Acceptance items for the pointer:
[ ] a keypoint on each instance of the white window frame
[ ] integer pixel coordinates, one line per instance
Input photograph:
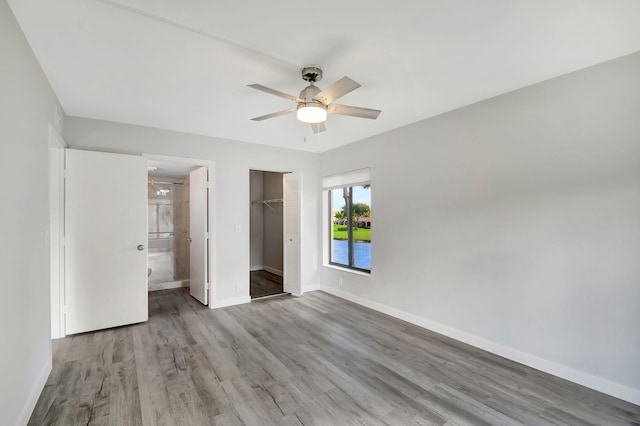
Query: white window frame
(349, 179)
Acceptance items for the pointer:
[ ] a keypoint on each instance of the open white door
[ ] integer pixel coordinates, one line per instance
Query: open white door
(292, 203)
(198, 233)
(105, 239)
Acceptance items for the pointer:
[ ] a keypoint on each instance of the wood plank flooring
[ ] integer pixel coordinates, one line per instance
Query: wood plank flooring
(265, 283)
(313, 360)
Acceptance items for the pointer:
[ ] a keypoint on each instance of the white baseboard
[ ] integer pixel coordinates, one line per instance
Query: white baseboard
(272, 270)
(230, 302)
(565, 372)
(25, 415)
(311, 287)
(256, 268)
(168, 285)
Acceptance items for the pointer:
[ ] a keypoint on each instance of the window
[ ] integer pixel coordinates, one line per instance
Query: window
(349, 222)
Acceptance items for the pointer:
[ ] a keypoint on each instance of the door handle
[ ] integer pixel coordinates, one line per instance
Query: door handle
(140, 247)
(189, 239)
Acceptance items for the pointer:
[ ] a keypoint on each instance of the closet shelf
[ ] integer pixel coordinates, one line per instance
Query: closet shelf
(268, 202)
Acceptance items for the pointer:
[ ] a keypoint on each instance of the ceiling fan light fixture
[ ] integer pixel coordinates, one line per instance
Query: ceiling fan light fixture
(312, 113)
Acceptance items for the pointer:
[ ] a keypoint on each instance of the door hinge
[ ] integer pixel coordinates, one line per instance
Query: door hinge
(206, 235)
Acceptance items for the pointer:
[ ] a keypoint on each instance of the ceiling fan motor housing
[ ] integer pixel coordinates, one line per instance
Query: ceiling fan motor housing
(312, 73)
(309, 92)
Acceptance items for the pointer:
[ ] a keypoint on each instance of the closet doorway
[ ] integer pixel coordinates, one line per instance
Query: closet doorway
(266, 233)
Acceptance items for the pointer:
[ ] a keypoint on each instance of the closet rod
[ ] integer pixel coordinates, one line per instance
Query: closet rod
(275, 200)
(157, 182)
(268, 202)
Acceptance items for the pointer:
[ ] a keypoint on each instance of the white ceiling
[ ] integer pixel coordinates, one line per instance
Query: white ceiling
(184, 64)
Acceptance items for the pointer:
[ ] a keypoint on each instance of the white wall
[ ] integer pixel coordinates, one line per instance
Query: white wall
(27, 106)
(514, 224)
(233, 160)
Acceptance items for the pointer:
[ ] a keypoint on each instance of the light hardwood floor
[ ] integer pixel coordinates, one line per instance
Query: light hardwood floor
(290, 361)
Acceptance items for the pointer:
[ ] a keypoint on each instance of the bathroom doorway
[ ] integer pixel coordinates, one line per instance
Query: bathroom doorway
(178, 226)
(168, 228)
(266, 233)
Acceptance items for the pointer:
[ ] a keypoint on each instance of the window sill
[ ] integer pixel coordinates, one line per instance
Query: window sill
(351, 271)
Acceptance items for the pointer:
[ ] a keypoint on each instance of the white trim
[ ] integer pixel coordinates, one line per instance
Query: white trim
(256, 268)
(348, 270)
(272, 270)
(28, 407)
(352, 178)
(311, 287)
(56, 232)
(292, 232)
(563, 371)
(231, 302)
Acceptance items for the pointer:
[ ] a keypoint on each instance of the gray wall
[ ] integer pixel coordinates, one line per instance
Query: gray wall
(272, 243)
(27, 106)
(514, 224)
(266, 223)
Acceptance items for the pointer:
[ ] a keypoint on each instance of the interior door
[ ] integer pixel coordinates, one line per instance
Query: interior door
(291, 234)
(198, 233)
(105, 239)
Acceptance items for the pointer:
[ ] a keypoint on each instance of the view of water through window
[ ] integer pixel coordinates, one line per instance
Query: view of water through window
(362, 253)
(359, 198)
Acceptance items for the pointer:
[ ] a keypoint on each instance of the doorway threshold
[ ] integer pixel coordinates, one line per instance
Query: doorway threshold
(269, 296)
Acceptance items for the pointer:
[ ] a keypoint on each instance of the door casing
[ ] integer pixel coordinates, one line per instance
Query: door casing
(210, 165)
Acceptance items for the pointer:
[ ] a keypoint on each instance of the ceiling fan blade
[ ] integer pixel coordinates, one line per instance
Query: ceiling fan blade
(275, 92)
(318, 127)
(336, 90)
(353, 111)
(273, 114)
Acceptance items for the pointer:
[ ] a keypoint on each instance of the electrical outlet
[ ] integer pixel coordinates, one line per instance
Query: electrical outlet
(340, 281)
(238, 288)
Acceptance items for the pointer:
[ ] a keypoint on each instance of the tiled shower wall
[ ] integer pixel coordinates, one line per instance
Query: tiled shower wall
(168, 219)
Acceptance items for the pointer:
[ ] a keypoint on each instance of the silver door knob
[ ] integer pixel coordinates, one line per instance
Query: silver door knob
(140, 247)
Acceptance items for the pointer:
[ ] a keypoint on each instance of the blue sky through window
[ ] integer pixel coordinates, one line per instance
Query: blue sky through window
(360, 195)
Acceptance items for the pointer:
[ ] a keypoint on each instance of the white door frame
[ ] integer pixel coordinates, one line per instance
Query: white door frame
(211, 217)
(284, 219)
(56, 233)
(294, 286)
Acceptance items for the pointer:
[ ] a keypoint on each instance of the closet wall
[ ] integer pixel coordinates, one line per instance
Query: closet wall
(266, 221)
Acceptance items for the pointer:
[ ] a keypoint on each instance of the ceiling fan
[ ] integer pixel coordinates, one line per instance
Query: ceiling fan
(314, 104)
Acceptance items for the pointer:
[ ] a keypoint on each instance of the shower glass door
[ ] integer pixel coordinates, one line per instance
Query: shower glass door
(168, 225)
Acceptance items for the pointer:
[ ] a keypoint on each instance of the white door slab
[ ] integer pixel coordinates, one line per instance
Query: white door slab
(291, 226)
(198, 228)
(105, 240)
